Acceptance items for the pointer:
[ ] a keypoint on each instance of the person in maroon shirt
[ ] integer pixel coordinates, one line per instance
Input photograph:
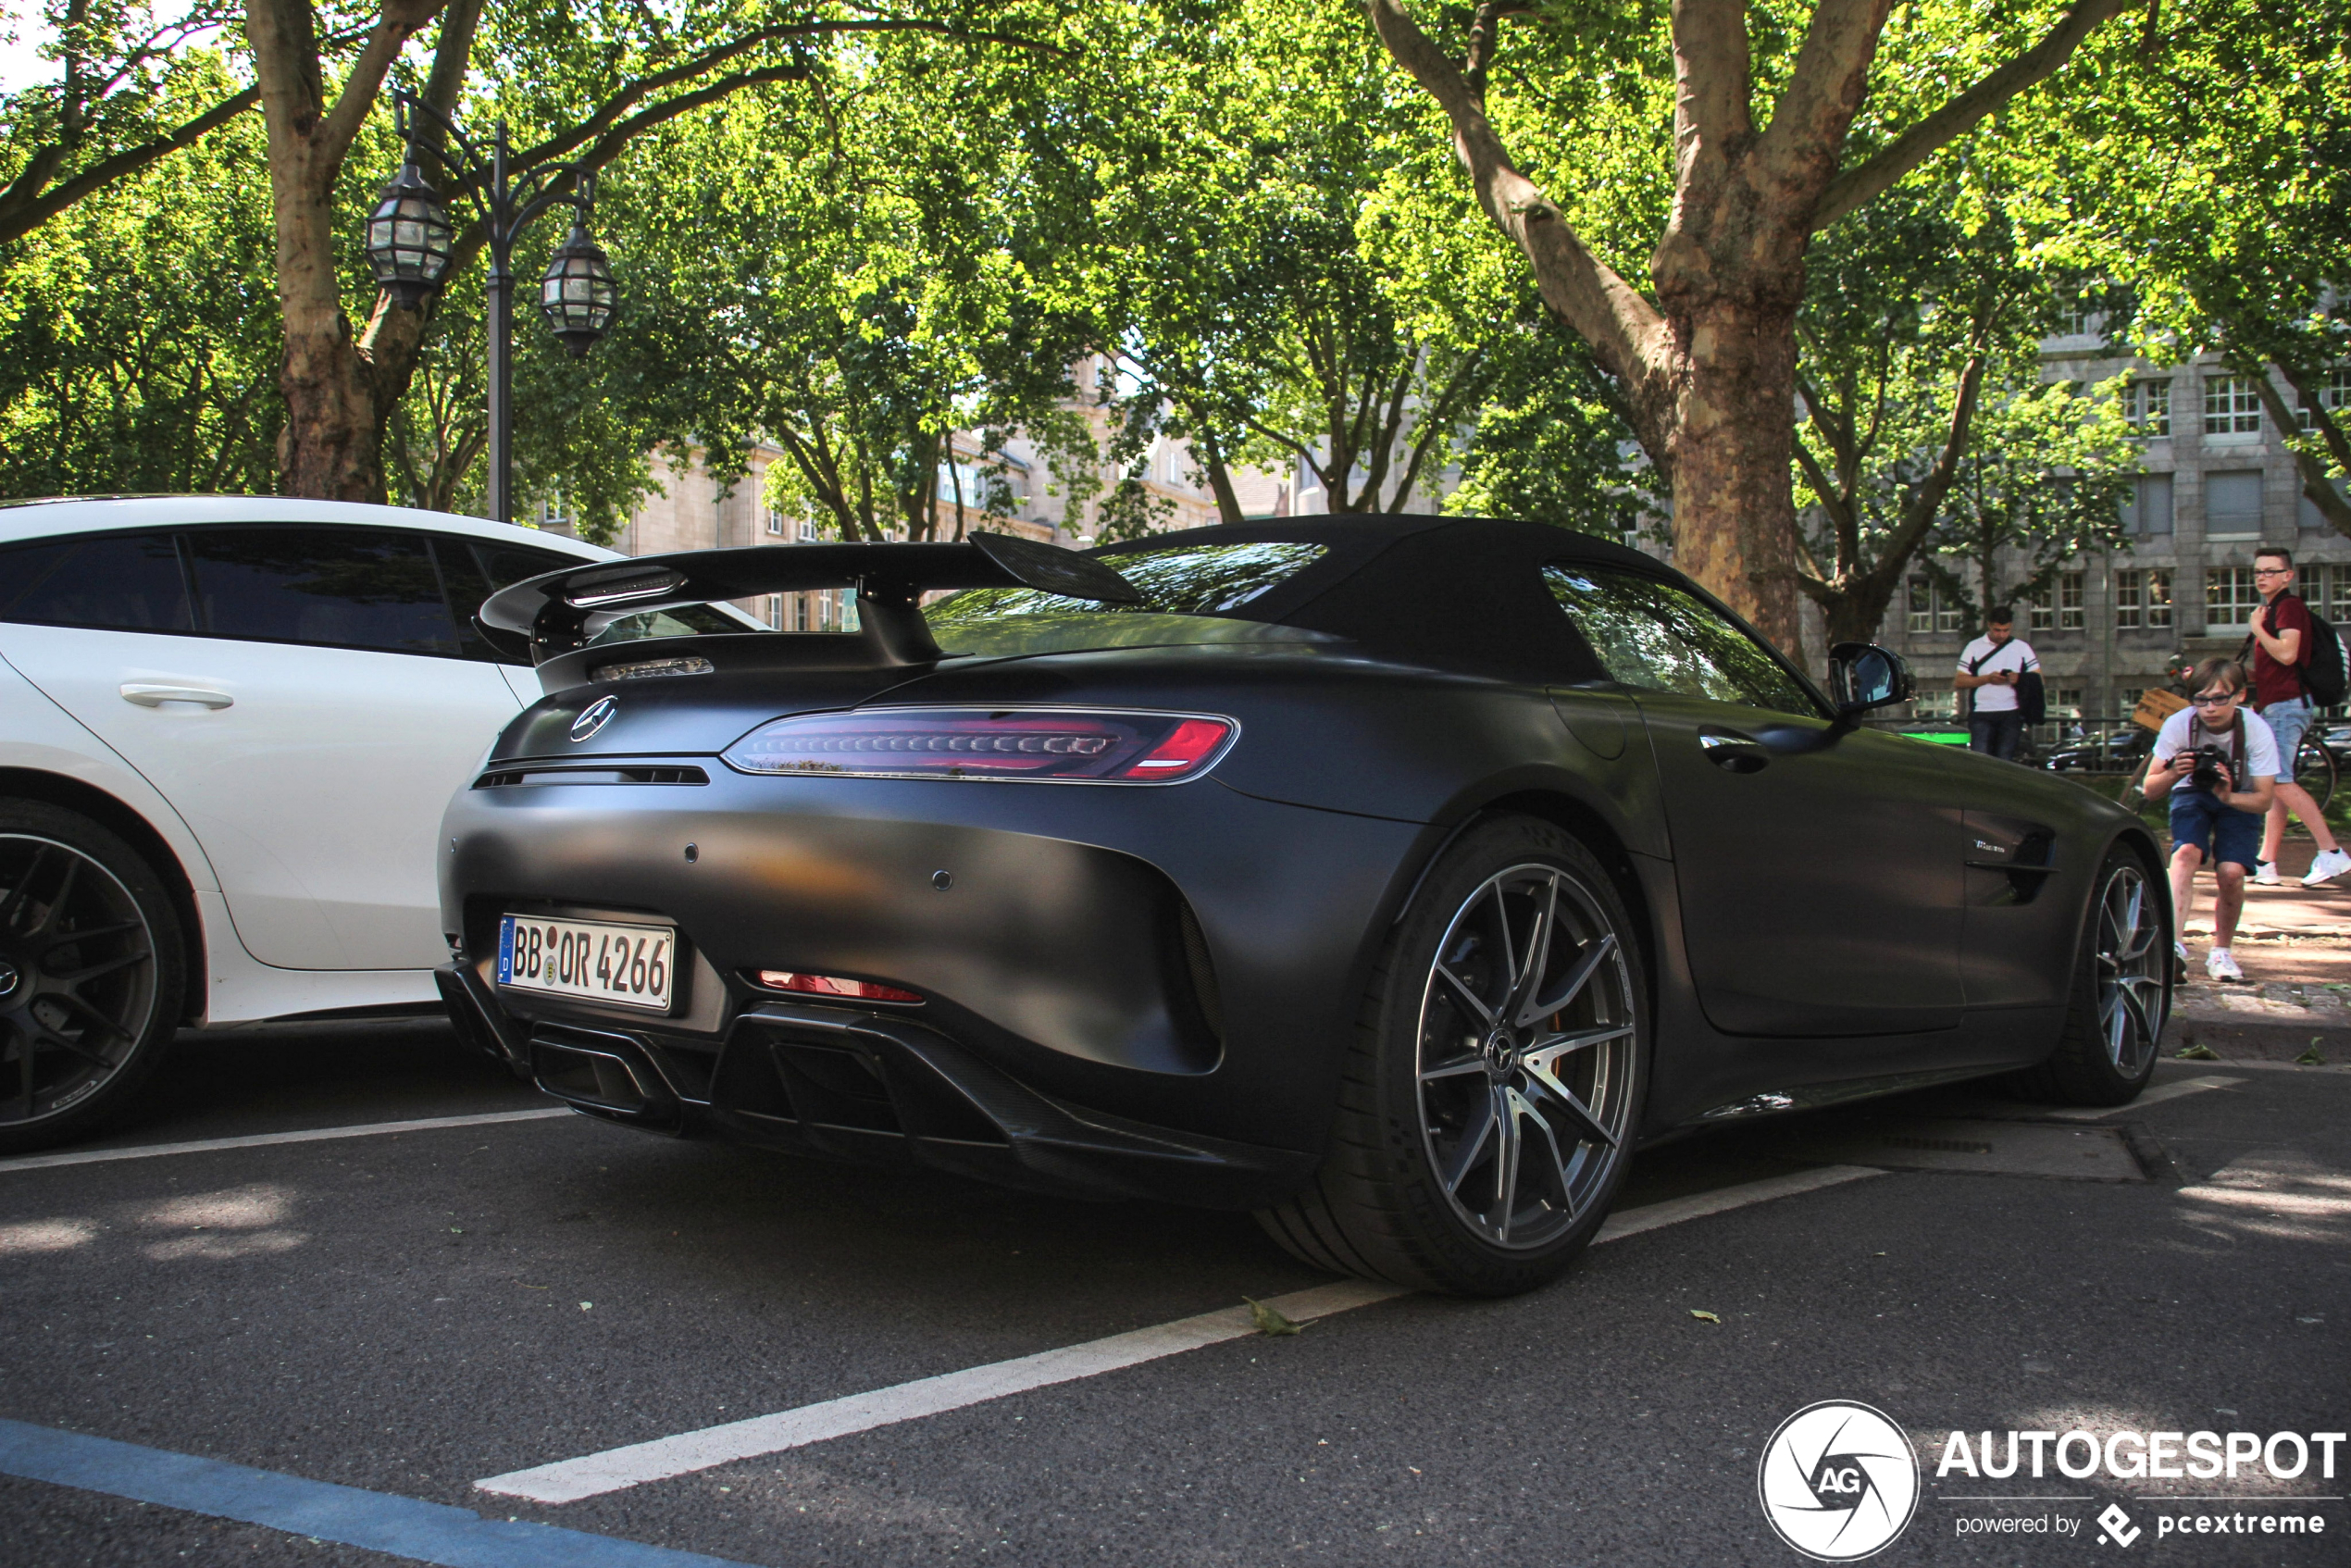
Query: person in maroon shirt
(2282, 632)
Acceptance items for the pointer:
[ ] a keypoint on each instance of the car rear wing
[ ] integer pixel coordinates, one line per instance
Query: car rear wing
(559, 612)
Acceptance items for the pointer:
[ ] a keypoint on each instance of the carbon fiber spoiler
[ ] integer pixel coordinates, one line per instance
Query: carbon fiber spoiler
(559, 611)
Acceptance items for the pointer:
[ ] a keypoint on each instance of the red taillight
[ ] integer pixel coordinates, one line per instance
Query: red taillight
(831, 985)
(1064, 745)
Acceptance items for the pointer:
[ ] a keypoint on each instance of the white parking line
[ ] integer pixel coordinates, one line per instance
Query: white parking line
(618, 1469)
(263, 1140)
(1632, 1221)
(2152, 1097)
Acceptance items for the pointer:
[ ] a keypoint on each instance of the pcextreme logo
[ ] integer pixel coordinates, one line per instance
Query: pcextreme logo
(1838, 1481)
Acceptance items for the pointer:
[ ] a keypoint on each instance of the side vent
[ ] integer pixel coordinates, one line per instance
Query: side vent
(1199, 972)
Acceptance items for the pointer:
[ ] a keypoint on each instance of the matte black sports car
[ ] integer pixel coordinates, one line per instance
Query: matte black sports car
(1393, 877)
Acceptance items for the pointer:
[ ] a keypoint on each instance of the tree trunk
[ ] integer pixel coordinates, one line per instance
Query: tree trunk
(1733, 442)
(1211, 453)
(332, 444)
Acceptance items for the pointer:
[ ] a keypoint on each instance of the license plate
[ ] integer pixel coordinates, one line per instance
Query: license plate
(594, 959)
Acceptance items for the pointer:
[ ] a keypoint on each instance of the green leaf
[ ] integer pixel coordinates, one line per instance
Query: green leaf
(1268, 1320)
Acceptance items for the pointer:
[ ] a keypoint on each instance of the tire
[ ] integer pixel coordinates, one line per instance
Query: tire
(2120, 997)
(1487, 1105)
(93, 974)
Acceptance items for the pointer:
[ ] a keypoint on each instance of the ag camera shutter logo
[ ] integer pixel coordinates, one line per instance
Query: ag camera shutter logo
(1838, 1481)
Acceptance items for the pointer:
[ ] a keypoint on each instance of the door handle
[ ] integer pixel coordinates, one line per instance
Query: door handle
(1735, 752)
(153, 695)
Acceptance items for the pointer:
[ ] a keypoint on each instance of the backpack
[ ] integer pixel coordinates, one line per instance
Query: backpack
(2032, 701)
(2321, 669)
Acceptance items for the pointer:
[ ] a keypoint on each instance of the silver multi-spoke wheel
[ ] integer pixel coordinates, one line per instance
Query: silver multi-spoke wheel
(78, 979)
(2112, 1028)
(2131, 961)
(1527, 1040)
(1490, 1102)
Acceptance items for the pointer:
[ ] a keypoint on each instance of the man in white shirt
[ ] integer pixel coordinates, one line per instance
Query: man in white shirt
(2220, 817)
(1990, 666)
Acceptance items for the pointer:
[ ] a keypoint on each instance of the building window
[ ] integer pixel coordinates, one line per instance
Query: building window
(2070, 602)
(2126, 700)
(2233, 504)
(807, 530)
(2069, 702)
(2229, 595)
(2232, 406)
(776, 520)
(2040, 609)
(2148, 406)
(1922, 606)
(2143, 600)
(2334, 394)
(2332, 594)
(2147, 506)
(775, 610)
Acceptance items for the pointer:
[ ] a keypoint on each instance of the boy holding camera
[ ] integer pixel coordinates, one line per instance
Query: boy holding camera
(2202, 753)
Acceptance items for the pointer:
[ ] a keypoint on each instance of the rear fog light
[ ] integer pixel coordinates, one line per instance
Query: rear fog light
(831, 985)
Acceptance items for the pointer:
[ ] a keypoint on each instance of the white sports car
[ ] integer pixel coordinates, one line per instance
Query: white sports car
(228, 727)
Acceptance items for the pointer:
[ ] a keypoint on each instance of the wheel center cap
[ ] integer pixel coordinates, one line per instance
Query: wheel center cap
(8, 977)
(1502, 1054)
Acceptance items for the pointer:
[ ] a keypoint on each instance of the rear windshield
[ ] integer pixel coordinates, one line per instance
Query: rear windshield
(1188, 596)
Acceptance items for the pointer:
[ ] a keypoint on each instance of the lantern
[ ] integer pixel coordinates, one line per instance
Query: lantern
(409, 236)
(578, 294)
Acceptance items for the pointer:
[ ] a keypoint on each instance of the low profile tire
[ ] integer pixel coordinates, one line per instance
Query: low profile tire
(91, 974)
(1487, 1104)
(2122, 995)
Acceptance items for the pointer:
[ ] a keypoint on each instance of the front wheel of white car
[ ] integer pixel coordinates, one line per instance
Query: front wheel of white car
(91, 974)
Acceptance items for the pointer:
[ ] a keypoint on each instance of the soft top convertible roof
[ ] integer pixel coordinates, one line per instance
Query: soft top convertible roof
(560, 611)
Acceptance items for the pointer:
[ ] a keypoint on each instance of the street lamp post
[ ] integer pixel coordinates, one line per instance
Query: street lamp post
(410, 243)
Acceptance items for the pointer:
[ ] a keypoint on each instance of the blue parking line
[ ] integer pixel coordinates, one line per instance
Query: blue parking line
(427, 1532)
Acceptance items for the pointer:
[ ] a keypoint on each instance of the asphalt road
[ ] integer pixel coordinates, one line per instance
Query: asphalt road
(412, 1312)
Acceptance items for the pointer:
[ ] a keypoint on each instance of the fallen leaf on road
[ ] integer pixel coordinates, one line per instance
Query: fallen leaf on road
(2311, 1058)
(1704, 1317)
(2199, 1051)
(1268, 1321)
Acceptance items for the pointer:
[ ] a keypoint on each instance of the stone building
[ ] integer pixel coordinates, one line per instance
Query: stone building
(2216, 483)
(691, 510)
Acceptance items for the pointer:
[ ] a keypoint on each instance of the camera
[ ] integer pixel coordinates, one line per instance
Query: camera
(2209, 761)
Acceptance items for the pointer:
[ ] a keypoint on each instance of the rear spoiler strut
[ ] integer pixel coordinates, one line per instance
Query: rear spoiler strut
(561, 610)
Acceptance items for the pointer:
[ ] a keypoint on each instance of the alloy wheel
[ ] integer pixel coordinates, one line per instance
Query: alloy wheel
(2131, 962)
(1525, 1061)
(77, 977)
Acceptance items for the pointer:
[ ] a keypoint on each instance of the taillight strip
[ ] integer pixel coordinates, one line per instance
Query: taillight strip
(1009, 745)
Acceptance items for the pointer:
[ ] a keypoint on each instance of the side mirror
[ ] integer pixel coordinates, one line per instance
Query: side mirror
(1863, 676)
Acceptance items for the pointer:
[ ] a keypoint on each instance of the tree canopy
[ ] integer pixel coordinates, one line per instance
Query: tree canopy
(1768, 277)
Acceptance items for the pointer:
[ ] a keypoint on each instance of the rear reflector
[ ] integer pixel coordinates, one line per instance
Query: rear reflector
(1073, 745)
(831, 985)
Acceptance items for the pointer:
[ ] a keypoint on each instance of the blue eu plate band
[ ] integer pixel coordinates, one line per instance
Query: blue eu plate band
(426, 1532)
